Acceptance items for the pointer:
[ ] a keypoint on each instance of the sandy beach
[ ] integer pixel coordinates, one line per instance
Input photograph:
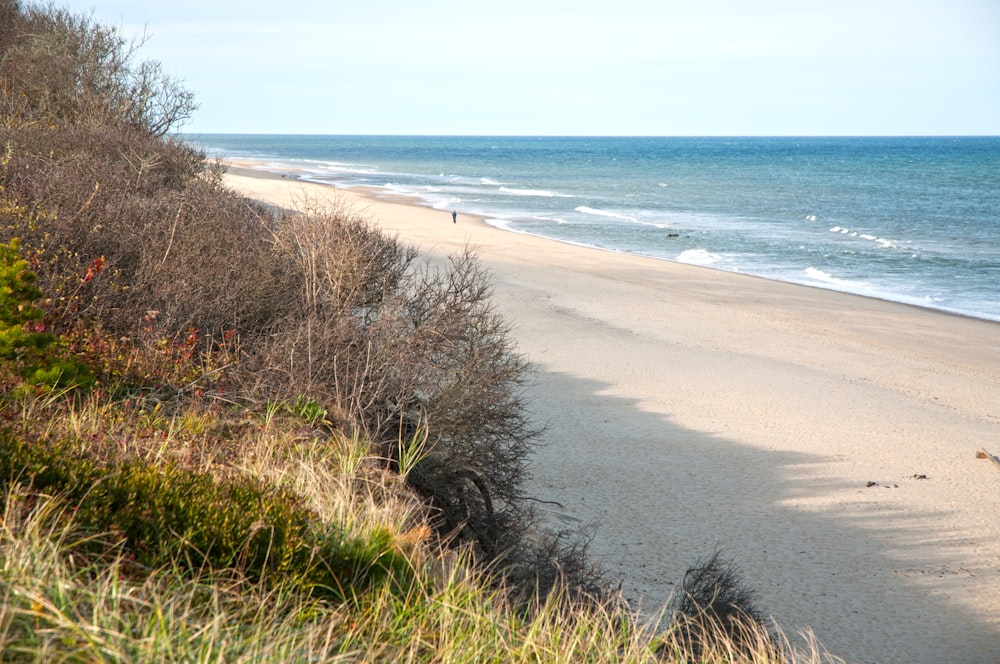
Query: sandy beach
(827, 442)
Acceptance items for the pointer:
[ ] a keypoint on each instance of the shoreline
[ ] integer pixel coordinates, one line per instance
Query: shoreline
(690, 408)
(258, 169)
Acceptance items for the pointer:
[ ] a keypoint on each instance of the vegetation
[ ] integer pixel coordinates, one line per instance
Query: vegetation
(239, 435)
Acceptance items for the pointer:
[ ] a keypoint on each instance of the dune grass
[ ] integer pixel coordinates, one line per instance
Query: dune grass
(72, 591)
(230, 435)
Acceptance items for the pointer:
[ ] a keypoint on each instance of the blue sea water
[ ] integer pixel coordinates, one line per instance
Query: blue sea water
(913, 220)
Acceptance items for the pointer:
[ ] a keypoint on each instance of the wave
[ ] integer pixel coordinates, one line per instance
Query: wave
(517, 226)
(401, 190)
(444, 203)
(533, 192)
(604, 213)
(699, 257)
(827, 278)
(333, 168)
(881, 241)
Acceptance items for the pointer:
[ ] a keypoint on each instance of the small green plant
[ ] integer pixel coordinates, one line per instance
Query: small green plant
(271, 411)
(309, 411)
(18, 294)
(413, 452)
(23, 336)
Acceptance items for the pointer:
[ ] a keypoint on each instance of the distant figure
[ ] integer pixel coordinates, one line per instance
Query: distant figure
(454, 217)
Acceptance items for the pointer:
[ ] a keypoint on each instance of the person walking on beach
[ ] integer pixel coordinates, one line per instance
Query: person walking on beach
(454, 217)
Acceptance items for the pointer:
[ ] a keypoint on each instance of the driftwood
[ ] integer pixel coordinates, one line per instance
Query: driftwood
(983, 454)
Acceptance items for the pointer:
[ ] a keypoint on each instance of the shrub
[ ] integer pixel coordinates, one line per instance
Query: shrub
(402, 348)
(58, 67)
(22, 339)
(713, 599)
(200, 286)
(164, 514)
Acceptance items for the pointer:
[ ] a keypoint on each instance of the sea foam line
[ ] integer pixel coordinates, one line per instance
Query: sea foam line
(827, 278)
(884, 243)
(604, 213)
(533, 192)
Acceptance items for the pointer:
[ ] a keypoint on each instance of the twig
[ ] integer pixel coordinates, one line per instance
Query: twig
(173, 230)
(205, 375)
(539, 500)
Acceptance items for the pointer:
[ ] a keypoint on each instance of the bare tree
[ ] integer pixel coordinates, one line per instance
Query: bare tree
(55, 65)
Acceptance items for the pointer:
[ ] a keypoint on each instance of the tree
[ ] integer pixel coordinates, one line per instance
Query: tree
(59, 67)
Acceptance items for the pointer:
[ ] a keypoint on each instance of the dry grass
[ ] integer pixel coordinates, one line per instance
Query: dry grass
(287, 439)
(63, 602)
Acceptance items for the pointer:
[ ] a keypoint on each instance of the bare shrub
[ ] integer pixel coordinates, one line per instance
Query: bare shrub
(714, 599)
(347, 266)
(59, 67)
(397, 347)
(207, 260)
(547, 560)
(169, 242)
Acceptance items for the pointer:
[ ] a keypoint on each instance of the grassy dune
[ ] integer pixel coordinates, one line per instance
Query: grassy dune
(78, 583)
(230, 434)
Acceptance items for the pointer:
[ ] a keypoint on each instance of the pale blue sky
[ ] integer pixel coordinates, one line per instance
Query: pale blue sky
(622, 67)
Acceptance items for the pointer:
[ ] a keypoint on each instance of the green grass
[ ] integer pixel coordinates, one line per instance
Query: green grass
(141, 557)
(61, 604)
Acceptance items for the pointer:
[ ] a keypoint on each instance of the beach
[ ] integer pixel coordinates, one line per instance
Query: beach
(824, 441)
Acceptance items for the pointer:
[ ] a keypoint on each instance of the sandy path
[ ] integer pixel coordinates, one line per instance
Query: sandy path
(690, 409)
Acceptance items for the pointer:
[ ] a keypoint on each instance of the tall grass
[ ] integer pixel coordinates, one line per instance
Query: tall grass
(228, 435)
(58, 603)
(69, 593)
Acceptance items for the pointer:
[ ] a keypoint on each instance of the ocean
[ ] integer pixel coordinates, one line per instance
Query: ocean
(907, 219)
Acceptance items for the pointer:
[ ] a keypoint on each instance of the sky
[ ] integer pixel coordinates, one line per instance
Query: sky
(576, 67)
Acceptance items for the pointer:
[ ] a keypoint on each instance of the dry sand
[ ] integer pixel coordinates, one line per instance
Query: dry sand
(690, 409)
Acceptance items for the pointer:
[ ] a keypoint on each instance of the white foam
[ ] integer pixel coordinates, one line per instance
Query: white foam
(400, 190)
(445, 203)
(503, 224)
(604, 213)
(699, 257)
(533, 192)
(881, 241)
(827, 278)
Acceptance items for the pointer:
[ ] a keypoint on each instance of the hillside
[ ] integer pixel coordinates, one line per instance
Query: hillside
(231, 433)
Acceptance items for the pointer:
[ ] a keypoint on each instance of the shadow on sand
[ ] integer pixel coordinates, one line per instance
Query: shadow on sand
(864, 576)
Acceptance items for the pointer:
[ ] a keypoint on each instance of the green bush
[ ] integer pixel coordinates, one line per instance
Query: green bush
(23, 338)
(17, 296)
(163, 514)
